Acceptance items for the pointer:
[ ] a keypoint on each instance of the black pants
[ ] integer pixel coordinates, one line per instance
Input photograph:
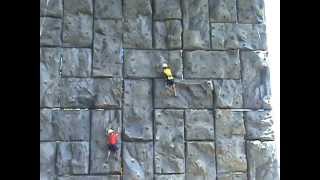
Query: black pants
(113, 147)
(170, 82)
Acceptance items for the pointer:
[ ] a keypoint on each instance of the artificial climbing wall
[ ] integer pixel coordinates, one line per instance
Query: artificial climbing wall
(100, 65)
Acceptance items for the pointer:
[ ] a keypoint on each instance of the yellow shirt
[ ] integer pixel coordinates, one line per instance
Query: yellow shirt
(167, 72)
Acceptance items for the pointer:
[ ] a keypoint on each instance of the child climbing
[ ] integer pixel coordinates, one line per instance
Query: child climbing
(112, 138)
(166, 70)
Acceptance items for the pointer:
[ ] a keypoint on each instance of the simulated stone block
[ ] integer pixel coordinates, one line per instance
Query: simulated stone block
(88, 177)
(108, 9)
(107, 61)
(233, 36)
(50, 31)
(167, 34)
(76, 7)
(233, 176)
(49, 74)
(170, 177)
(76, 62)
(102, 120)
(212, 64)
(200, 162)
(135, 8)
(190, 94)
(138, 32)
(255, 80)
(51, 8)
(137, 111)
(229, 123)
(262, 162)
(166, 9)
(196, 24)
(148, 63)
(251, 11)
(223, 10)
(137, 24)
(199, 125)
(77, 30)
(77, 92)
(169, 145)
(228, 93)
(108, 93)
(85, 92)
(64, 125)
(78, 23)
(46, 128)
(259, 125)
(72, 158)
(137, 161)
(47, 160)
(231, 155)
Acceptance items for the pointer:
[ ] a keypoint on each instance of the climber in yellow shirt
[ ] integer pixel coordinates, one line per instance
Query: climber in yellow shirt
(166, 70)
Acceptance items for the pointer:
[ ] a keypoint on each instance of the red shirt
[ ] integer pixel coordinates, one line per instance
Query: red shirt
(113, 138)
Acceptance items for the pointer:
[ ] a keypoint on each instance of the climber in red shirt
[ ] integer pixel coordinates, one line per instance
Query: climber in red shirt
(112, 141)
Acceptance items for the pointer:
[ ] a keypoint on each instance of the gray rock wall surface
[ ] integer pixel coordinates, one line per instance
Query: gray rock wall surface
(100, 68)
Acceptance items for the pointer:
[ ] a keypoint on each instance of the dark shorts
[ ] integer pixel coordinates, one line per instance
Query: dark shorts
(170, 82)
(113, 147)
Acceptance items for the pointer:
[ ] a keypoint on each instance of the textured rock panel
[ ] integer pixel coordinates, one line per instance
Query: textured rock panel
(167, 34)
(212, 64)
(76, 62)
(170, 177)
(108, 93)
(251, 11)
(228, 93)
(108, 9)
(49, 74)
(88, 177)
(50, 31)
(234, 36)
(199, 125)
(200, 162)
(167, 9)
(147, 63)
(100, 121)
(77, 7)
(47, 160)
(77, 31)
(229, 123)
(72, 158)
(259, 125)
(262, 161)
(137, 161)
(169, 145)
(138, 109)
(64, 125)
(51, 8)
(233, 176)
(223, 10)
(107, 60)
(231, 155)
(196, 24)
(85, 92)
(190, 94)
(77, 92)
(46, 128)
(137, 24)
(256, 80)
(78, 23)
